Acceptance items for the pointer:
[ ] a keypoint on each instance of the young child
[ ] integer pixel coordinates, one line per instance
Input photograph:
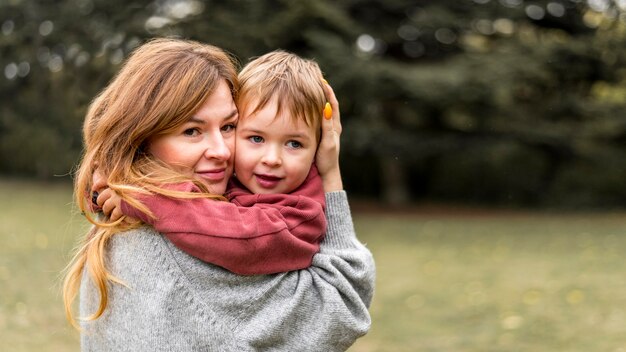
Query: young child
(281, 101)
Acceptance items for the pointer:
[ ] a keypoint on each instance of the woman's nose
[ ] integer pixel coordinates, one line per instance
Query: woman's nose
(217, 147)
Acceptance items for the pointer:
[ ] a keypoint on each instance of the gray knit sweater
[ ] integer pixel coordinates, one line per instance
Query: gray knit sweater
(174, 302)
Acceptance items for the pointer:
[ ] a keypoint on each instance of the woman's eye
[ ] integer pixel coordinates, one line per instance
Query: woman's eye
(294, 144)
(229, 128)
(256, 139)
(191, 132)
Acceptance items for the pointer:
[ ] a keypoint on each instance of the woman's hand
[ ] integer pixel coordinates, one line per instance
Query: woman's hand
(327, 158)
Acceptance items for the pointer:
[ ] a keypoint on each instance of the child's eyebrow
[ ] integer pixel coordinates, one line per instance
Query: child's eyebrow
(298, 135)
(257, 131)
(251, 130)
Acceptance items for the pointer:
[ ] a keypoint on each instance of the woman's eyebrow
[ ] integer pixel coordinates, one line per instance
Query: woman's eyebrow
(195, 119)
(232, 114)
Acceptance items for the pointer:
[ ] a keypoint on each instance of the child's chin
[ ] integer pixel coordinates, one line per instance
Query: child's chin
(267, 191)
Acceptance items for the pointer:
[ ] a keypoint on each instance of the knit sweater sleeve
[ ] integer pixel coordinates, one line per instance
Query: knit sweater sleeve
(321, 308)
(254, 234)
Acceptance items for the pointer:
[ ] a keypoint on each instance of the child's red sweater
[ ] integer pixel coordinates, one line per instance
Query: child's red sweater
(252, 234)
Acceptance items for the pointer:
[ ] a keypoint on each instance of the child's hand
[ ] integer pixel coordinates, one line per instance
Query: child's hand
(327, 158)
(98, 181)
(111, 204)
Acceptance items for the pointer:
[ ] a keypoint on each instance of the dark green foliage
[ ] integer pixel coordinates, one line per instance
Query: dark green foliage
(505, 101)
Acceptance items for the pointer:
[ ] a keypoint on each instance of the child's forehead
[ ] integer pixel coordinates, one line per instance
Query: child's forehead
(269, 120)
(279, 109)
(277, 112)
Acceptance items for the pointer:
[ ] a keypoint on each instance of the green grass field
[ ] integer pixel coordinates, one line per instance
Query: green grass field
(446, 281)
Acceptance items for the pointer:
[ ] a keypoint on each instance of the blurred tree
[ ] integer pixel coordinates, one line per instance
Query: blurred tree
(56, 56)
(507, 101)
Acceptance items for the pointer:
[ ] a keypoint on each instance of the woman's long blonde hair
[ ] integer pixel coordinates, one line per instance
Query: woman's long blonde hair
(158, 89)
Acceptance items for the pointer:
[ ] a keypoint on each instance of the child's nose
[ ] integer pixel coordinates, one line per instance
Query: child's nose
(272, 157)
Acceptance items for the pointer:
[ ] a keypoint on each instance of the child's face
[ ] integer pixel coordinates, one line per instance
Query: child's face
(273, 153)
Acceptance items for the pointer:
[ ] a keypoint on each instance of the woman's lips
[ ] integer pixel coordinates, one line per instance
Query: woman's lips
(212, 175)
(267, 181)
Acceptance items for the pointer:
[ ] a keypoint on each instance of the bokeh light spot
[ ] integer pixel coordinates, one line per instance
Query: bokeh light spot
(445, 36)
(46, 28)
(511, 3)
(366, 43)
(532, 297)
(504, 26)
(484, 26)
(575, 297)
(23, 69)
(535, 12)
(10, 70)
(556, 9)
(598, 5)
(512, 322)
(8, 27)
(82, 58)
(408, 32)
(156, 22)
(55, 64)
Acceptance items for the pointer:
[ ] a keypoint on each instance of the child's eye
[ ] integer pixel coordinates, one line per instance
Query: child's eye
(256, 139)
(191, 132)
(229, 127)
(294, 144)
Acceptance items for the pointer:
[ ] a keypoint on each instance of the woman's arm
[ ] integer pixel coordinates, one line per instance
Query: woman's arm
(325, 305)
(321, 308)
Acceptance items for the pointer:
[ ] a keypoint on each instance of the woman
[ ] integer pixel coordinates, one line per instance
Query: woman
(143, 294)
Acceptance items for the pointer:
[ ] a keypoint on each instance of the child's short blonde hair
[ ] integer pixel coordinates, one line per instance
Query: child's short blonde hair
(295, 82)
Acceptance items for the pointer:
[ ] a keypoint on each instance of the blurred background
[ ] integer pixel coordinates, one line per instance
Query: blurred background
(506, 102)
(484, 150)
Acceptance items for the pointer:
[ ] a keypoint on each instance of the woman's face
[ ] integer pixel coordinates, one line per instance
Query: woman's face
(204, 146)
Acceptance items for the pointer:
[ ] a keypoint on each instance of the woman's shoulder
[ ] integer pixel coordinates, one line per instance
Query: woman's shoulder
(144, 254)
(128, 246)
(154, 297)
(143, 259)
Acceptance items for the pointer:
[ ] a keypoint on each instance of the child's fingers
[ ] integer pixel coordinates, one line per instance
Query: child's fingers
(108, 207)
(334, 105)
(116, 214)
(98, 181)
(103, 196)
(106, 201)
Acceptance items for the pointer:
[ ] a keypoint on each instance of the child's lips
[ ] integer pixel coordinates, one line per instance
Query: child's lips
(267, 181)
